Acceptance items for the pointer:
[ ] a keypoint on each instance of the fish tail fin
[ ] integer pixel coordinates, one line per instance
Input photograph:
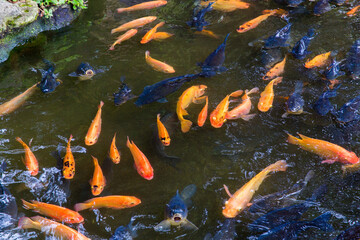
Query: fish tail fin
(128, 144)
(25, 223)
(81, 206)
(160, 24)
(278, 166)
(147, 54)
(20, 141)
(120, 10)
(114, 30)
(293, 140)
(236, 93)
(322, 222)
(27, 205)
(101, 104)
(277, 80)
(69, 141)
(96, 163)
(226, 38)
(112, 48)
(185, 125)
(298, 86)
(308, 176)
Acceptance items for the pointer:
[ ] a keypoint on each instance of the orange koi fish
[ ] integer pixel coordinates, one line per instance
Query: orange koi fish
(243, 109)
(142, 6)
(278, 12)
(142, 164)
(134, 24)
(331, 152)
(218, 116)
(162, 132)
(353, 11)
(242, 197)
(114, 153)
(192, 94)
(207, 33)
(98, 181)
(203, 114)
(267, 96)
(227, 5)
(50, 227)
(129, 34)
(69, 162)
(158, 65)
(95, 128)
(17, 101)
(58, 213)
(115, 202)
(253, 23)
(150, 34)
(276, 71)
(30, 160)
(319, 61)
(158, 36)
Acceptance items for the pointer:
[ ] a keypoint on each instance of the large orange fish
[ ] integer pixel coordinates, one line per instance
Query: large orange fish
(162, 132)
(30, 160)
(192, 94)
(115, 202)
(129, 34)
(319, 61)
(114, 153)
(253, 23)
(142, 6)
(69, 162)
(275, 71)
(58, 213)
(243, 109)
(267, 96)
(142, 164)
(158, 36)
(353, 11)
(17, 101)
(218, 116)
(226, 5)
(98, 181)
(51, 228)
(203, 113)
(150, 34)
(158, 65)
(95, 128)
(331, 152)
(242, 197)
(134, 24)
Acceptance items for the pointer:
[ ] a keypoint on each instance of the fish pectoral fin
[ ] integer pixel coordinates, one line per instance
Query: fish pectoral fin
(183, 112)
(163, 226)
(284, 115)
(188, 225)
(199, 100)
(227, 191)
(247, 117)
(249, 204)
(162, 100)
(30, 142)
(329, 161)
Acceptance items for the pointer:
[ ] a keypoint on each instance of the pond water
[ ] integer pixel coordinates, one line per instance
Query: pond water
(210, 157)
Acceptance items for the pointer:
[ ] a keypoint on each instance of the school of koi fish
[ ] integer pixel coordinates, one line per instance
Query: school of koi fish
(279, 215)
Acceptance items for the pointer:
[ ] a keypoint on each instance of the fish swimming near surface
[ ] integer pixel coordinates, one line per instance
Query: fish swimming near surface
(203, 113)
(150, 34)
(124, 94)
(98, 181)
(333, 71)
(158, 91)
(159, 36)
(267, 96)
(319, 61)
(269, 57)
(162, 132)
(243, 109)
(290, 230)
(227, 5)
(213, 62)
(198, 20)
(134, 24)
(353, 60)
(49, 79)
(55, 212)
(68, 169)
(113, 201)
(350, 111)
(295, 103)
(299, 50)
(95, 128)
(321, 7)
(279, 38)
(30, 160)
(124, 232)
(330, 151)
(323, 106)
(142, 164)
(193, 94)
(114, 153)
(207, 33)
(158, 65)
(353, 11)
(16, 102)
(240, 200)
(176, 211)
(129, 34)
(84, 71)
(50, 227)
(276, 71)
(142, 6)
(226, 232)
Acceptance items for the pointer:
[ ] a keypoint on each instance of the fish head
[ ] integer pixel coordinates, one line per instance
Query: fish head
(217, 118)
(350, 157)
(91, 141)
(176, 211)
(75, 219)
(230, 212)
(96, 189)
(200, 90)
(165, 141)
(148, 175)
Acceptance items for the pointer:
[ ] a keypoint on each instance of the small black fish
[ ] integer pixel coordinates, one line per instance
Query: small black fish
(198, 20)
(84, 71)
(158, 91)
(279, 38)
(124, 232)
(349, 111)
(300, 49)
(49, 80)
(353, 60)
(351, 233)
(290, 230)
(124, 94)
(227, 231)
(295, 103)
(323, 105)
(176, 211)
(321, 7)
(213, 62)
(333, 71)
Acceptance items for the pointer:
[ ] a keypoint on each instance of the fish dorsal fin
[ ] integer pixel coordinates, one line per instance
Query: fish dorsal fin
(227, 191)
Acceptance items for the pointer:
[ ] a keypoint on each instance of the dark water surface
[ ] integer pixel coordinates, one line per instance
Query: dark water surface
(211, 157)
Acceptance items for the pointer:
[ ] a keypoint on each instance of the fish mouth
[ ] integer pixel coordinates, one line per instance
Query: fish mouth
(177, 218)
